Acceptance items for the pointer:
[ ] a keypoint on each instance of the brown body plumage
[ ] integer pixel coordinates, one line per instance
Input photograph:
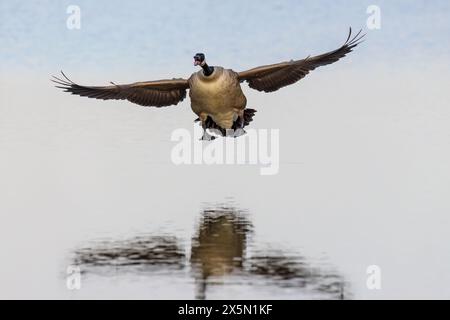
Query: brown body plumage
(219, 96)
(215, 92)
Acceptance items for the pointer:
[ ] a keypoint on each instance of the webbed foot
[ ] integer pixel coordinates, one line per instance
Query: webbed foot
(239, 132)
(207, 137)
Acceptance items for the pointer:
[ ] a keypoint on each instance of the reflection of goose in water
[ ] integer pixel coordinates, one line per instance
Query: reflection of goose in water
(219, 245)
(142, 252)
(219, 250)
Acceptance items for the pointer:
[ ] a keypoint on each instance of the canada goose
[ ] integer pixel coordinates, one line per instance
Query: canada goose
(216, 95)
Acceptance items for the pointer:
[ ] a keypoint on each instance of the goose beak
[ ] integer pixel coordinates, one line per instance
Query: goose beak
(196, 62)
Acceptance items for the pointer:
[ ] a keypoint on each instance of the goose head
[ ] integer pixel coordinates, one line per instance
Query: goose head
(199, 60)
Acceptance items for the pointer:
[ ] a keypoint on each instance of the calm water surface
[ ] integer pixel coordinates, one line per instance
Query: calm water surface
(220, 255)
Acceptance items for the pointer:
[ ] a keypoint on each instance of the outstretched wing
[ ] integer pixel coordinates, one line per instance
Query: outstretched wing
(152, 93)
(273, 77)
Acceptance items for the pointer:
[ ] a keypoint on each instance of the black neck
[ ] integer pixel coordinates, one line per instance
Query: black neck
(207, 70)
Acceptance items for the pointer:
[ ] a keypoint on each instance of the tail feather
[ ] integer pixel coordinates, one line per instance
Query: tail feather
(248, 117)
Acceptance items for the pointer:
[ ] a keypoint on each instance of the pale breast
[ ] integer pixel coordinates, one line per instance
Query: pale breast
(218, 94)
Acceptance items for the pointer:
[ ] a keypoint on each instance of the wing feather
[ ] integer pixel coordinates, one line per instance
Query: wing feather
(273, 77)
(159, 93)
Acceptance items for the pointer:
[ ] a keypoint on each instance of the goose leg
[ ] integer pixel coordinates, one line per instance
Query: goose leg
(240, 131)
(206, 136)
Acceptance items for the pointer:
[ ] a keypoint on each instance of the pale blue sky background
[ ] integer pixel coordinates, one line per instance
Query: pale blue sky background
(150, 34)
